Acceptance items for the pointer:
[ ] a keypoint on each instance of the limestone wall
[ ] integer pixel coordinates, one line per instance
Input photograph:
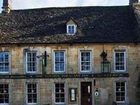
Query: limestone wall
(46, 86)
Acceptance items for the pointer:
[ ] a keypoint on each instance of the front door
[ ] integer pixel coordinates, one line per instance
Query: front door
(86, 93)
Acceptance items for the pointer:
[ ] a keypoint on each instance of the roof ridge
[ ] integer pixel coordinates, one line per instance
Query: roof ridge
(70, 7)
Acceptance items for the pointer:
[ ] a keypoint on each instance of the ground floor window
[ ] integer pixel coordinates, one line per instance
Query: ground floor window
(59, 93)
(31, 93)
(120, 91)
(4, 94)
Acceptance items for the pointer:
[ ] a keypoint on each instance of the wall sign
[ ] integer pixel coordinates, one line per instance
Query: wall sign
(72, 93)
(96, 93)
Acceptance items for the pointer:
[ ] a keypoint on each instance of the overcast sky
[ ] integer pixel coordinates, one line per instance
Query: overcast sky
(25, 4)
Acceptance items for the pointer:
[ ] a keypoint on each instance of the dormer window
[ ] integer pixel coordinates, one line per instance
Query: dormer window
(71, 27)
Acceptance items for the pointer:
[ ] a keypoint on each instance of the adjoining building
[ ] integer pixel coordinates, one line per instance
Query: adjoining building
(70, 56)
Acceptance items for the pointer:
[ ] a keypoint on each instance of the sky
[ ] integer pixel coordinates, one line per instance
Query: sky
(26, 4)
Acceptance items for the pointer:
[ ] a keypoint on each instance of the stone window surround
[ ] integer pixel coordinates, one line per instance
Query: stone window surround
(120, 91)
(88, 51)
(8, 93)
(125, 61)
(26, 97)
(31, 61)
(65, 60)
(31, 49)
(91, 59)
(8, 61)
(64, 92)
(3, 81)
(121, 79)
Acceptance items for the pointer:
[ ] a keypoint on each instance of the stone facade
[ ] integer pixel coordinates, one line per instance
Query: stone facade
(73, 30)
(45, 86)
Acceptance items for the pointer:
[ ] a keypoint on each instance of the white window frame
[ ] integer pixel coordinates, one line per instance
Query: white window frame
(60, 103)
(27, 93)
(27, 61)
(64, 61)
(75, 29)
(5, 72)
(8, 94)
(125, 92)
(90, 61)
(123, 51)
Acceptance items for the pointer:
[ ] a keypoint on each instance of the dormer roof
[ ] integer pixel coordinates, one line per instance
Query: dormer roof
(71, 21)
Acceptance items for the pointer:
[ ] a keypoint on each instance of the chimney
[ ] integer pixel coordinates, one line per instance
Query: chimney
(131, 2)
(6, 6)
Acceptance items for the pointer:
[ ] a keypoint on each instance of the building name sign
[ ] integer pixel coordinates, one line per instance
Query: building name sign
(48, 76)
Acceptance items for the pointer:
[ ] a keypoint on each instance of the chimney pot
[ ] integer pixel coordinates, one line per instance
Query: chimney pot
(131, 2)
(6, 6)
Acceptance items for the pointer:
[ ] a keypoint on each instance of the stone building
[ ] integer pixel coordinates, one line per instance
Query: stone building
(70, 56)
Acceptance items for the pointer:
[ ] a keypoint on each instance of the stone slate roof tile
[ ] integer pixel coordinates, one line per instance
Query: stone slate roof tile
(48, 25)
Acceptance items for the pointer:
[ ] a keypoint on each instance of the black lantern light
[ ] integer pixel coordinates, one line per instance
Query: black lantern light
(44, 58)
(105, 64)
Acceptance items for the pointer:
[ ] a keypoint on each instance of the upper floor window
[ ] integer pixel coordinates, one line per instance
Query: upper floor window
(59, 61)
(31, 62)
(59, 93)
(4, 94)
(31, 93)
(85, 61)
(120, 92)
(4, 62)
(120, 60)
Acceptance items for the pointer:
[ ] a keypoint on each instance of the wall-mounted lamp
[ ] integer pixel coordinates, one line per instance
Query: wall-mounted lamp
(44, 58)
(105, 64)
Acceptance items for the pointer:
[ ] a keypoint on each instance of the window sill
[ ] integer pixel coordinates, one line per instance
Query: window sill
(31, 103)
(120, 71)
(60, 104)
(3, 73)
(59, 72)
(120, 102)
(82, 72)
(31, 73)
(71, 34)
(4, 104)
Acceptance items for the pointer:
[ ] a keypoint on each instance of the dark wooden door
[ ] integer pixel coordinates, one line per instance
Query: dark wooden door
(86, 93)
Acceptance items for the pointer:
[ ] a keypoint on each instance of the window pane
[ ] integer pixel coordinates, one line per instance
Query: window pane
(122, 98)
(122, 84)
(56, 100)
(1, 100)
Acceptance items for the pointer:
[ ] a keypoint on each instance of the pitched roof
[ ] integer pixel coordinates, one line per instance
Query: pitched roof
(48, 25)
